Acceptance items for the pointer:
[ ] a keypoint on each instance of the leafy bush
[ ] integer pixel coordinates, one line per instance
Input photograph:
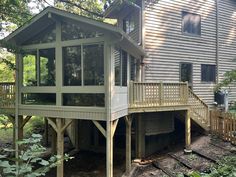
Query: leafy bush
(29, 163)
(226, 168)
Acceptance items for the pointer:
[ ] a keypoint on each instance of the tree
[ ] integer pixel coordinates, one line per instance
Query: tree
(229, 78)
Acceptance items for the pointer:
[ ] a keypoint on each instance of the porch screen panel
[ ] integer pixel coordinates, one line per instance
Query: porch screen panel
(72, 66)
(47, 35)
(47, 67)
(93, 59)
(29, 68)
(73, 31)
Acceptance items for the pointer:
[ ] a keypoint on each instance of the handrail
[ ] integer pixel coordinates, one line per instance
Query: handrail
(191, 91)
(153, 94)
(199, 109)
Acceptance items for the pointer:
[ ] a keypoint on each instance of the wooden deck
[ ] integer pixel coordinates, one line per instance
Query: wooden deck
(143, 97)
(149, 97)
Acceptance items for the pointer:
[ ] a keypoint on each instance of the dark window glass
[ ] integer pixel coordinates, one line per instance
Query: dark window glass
(117, 67)
(71, 31)
(186, 72)
(81, 99)
(124, 68)
(45, 36)
(29, 68)
(47, 67)
(39, 98)
(208, 73)
(93, 65)
(128, 24)
(72, 66)
(133, 68)
(191, 23)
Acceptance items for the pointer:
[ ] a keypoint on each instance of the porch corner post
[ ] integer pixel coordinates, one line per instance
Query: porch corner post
(187, 132)
(60, 147)
(128, 122)
(109, 149)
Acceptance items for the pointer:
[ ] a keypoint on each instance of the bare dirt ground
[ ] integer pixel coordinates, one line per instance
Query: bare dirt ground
(88, 164)
(210, 149)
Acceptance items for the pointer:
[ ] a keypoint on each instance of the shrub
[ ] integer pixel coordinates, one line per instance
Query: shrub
(29, 162)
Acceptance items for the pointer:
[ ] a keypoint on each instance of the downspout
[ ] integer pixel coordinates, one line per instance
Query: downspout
(217, 41)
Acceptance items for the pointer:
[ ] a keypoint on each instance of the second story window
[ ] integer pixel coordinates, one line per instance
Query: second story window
(191, 24)
(128, 24)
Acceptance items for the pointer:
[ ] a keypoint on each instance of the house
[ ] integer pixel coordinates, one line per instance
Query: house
(163, 58)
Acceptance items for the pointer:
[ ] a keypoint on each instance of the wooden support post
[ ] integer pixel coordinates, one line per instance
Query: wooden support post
(60, 146)
(128, 122)
(140, 137)
(60, 126)
(187, 132)
(20, 132)
(54, 142)
(111, 128)
(76, 134)
(46, 131)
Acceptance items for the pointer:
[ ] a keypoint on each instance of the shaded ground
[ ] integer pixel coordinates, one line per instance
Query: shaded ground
(196, 162)
(89, 164)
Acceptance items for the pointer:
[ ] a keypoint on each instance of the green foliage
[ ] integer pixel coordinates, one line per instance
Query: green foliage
(29, 163)
(34, 126)
(229, 78)
(4, 122)
(226, 167)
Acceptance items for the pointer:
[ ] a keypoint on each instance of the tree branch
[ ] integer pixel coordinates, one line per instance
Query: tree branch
(80, 7)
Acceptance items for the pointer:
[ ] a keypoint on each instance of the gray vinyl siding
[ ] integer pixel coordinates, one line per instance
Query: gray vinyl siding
(167, 47)
(227, 40)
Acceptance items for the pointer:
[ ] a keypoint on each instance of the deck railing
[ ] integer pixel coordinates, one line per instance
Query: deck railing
(142, 94)
(7, 95)
(199, 109)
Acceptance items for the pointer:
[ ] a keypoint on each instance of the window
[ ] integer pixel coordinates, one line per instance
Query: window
(191, 23)
(128, 24)
(29, 68)
(39, 68)
(121, 67)
(117, 67)
(39, 98)
(186, 72)
(47, 67)
(83, 65)
(72, 66)
(208, 73)
(93, 65)
(133, 68)
(84, 99)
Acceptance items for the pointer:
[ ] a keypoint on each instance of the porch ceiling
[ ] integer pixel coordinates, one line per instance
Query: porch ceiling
(50, 15)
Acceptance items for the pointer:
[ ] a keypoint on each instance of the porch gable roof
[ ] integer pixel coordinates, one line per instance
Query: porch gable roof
(43, 17)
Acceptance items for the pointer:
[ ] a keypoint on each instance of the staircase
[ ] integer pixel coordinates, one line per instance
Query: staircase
(199, 111)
